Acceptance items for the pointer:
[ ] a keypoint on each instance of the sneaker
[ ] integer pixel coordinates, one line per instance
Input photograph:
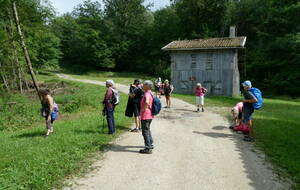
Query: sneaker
(146, 151)
(135, 130)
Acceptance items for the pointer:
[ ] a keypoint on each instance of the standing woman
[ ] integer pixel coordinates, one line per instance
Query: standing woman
(109, 107)
(168, 89)
(200, 93)
(47, 109)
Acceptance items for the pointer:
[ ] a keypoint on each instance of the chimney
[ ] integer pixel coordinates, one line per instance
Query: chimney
(232, 32)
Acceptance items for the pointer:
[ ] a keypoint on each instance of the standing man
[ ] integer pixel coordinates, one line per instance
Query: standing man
(146, 117)
(109, 107)
(136, 94)
(248, 108)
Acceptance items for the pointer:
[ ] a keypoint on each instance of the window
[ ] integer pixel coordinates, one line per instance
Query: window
(194, 61)
(209, 61)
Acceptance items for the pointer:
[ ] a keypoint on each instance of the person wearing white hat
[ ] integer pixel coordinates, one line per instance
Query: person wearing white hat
(200, 93)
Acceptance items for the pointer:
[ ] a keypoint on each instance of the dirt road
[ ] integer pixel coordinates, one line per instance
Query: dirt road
(193, 151)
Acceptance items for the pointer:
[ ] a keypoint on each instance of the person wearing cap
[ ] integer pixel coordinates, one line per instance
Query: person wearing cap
(200, 93)
(168, 89)
(146, 117)
(133, 106)
(248, 109)
(109, 107)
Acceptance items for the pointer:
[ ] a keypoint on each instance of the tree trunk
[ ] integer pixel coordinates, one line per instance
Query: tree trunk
(26, 54)
(15, 53)
(24, 78)
(4, 79)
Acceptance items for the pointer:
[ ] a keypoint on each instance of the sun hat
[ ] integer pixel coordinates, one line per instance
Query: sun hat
(110, 82)
(247, 83)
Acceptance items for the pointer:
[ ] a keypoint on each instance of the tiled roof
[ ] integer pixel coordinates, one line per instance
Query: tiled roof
(210, 43)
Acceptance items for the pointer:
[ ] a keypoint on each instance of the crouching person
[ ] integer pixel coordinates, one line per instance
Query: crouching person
(237, 114)
(248, 108)
(109, 107)
(146, 117)
(48, 110)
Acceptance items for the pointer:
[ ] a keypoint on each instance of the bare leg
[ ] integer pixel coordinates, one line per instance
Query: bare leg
(137, 122)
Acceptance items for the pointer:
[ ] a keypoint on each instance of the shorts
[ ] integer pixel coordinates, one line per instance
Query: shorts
(247, 113)
(199, 100)
(136, 110)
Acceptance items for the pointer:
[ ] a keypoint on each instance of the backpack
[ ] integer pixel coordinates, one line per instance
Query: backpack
(257, 93)
(54, 114)
(156, 105)
(115, 97)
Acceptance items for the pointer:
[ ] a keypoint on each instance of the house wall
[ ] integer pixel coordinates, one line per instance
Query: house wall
(216, 70)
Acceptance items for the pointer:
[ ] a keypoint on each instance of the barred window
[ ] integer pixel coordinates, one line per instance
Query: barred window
(209, 61)
(194, 61)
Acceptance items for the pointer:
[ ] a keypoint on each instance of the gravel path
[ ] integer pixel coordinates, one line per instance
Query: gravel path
(192, 151)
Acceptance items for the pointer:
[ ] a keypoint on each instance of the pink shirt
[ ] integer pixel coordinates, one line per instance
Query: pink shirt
(199, 91)
(239, 106)
(146, 114)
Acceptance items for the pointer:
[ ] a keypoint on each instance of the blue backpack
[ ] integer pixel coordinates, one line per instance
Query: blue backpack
(257, 93)
(156, 106)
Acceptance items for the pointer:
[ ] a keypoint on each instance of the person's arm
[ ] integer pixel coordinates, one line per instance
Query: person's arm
(50, 103)
(147, 103)
(252, 98)
(172, 88)
(107, 96)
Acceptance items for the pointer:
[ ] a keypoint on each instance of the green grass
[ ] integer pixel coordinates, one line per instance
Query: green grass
(276, 128)
(118, 77)
(30, 161)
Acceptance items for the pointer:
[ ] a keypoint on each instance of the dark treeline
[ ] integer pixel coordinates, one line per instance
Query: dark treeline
(125, 35)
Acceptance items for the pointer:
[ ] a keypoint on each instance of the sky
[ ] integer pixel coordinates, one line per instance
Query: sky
(63, 6)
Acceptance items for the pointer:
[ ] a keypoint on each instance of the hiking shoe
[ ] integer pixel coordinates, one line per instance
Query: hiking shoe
(146, 151)
(135, 130)
(248, 139)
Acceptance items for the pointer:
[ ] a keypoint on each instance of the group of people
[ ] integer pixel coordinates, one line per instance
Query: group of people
(164, 88)
(140, 102)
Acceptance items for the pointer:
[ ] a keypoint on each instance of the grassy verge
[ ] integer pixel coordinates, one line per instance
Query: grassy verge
(276, 128)
(30, 161)
(118, 77)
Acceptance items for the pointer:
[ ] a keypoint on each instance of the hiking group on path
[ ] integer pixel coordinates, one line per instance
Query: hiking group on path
(143, 105)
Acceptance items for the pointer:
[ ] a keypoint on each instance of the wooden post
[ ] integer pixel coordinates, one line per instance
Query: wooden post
(26, 54)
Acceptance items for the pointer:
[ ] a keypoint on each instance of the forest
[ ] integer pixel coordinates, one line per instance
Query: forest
(119, 35)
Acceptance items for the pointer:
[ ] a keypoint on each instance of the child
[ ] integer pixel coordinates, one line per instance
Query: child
(200, 93)
(237, 113)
